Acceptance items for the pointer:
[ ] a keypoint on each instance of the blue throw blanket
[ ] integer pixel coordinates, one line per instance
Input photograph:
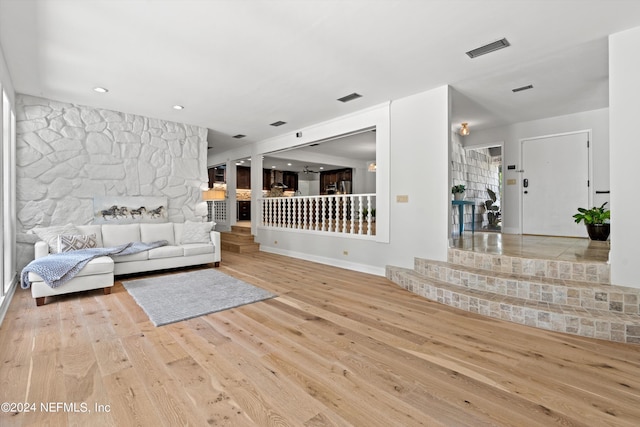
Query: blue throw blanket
(56, 269)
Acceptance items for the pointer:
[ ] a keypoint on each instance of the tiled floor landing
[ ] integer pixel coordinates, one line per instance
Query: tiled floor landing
(550, 283)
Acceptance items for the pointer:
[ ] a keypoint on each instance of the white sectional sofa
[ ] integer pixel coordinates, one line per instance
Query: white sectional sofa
(189, 243)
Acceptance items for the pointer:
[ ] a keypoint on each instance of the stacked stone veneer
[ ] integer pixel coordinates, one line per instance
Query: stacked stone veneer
(68, 154)
(477, 171)
(530, 296)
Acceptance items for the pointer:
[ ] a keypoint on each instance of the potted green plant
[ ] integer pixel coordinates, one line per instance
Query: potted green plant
(458, 191)
(597, 221)
(493, 211)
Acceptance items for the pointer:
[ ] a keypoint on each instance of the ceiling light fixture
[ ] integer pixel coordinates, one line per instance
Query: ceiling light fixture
(464, 129)
(100, 89)
(350, 97)
(278, 123)
(371, 167)
(178, 107)
(488, 48)
(238, 136)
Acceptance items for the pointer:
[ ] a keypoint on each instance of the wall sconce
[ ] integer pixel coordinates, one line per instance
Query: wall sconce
(464, 130)
(209, 196)
(371, 167)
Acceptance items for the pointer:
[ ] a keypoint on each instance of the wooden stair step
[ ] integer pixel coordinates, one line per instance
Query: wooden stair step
(240, 248)
(239, 240)
(233, 237)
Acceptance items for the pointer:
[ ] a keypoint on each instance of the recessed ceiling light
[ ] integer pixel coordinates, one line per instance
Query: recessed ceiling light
(238, 136)
(350, 97)
(288, 164)
(273, 167)
(178, 107)
(321, 167)
(100, 89)
(278, 123)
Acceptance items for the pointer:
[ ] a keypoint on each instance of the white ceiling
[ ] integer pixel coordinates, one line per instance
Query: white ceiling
(238, 66)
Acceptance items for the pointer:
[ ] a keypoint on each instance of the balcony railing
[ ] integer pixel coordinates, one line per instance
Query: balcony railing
(349, 215)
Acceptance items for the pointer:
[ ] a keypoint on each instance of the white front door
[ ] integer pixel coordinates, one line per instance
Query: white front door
(555, 183)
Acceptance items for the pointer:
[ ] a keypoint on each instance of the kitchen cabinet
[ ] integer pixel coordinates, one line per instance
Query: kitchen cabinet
(290, 179)
(217, 174)
(266, 179)
(243, 177)
(244, 210)
(330, 181)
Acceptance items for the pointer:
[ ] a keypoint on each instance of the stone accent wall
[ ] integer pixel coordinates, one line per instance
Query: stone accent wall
(67, 154)
(477, 171)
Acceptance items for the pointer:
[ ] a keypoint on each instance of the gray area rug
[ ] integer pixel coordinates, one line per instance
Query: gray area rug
(175, 297)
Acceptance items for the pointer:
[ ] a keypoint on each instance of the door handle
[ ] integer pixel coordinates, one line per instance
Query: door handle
(525, 183)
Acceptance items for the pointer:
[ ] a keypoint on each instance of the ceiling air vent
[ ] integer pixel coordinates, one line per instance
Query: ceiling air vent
(278, 123)
(488, 48)
(238, 136)
(520, 89)
(350, 97)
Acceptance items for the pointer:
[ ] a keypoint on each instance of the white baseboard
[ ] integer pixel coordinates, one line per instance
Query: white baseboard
(510, 230)
(363, 268)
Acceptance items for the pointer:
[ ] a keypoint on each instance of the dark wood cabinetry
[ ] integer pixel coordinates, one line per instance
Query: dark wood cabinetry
(217, 174)
(243, 177)
(266, 179)
(290, 179)
(270, 176)
(330, 181)
(244, 210)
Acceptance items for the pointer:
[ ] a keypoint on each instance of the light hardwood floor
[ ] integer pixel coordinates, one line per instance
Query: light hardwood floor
(335, 348)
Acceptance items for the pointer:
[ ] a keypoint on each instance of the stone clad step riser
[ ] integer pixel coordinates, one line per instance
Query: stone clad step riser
(577, 294)
(555, 317)
(580, 271)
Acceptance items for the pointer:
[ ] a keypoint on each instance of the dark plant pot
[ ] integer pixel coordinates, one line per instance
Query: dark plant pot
(599, 231)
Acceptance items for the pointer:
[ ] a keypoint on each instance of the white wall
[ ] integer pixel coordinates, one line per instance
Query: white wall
(624, 88)
(597, 121)
(412, 149)
(8, 269)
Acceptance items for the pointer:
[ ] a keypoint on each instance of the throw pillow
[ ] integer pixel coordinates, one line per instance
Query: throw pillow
(196, 232)
(74, 242)
(154, 232)
(50, 234)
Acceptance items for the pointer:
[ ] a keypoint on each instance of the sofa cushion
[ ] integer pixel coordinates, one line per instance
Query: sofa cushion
(166, 252)
(92, 229)
(140, 256)
(50, 234)
(155, 232)
(100, 265)
(119, 234)
(196, 232)
(197, 249)
(74, 242)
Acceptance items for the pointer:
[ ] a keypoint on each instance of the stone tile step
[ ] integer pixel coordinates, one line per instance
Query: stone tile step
(586, 322)
(534, 288)
(594, 272)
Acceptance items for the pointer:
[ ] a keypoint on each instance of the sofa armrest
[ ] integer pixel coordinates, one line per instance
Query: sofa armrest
(40, 249)
(215, 238)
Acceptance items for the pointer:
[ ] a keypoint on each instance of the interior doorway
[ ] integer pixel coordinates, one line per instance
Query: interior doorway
(483, 176)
